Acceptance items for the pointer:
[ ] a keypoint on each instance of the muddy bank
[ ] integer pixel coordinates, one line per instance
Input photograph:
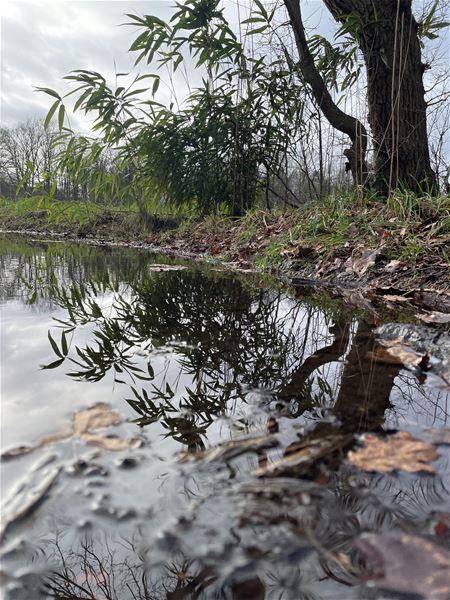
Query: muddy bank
(394, 266)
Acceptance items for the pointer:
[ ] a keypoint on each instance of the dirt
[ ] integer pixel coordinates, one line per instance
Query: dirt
(365, 272)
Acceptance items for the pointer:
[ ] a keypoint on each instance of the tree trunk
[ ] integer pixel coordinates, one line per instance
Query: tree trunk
(337, 118)
(387, 36)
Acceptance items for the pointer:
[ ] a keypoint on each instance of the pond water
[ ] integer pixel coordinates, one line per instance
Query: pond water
(188, 434)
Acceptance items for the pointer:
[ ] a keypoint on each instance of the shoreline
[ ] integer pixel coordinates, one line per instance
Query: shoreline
(359, 277)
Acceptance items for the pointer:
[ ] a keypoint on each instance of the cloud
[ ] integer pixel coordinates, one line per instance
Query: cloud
(43, 41)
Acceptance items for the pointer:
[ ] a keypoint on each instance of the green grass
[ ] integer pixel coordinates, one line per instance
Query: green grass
(56, 211)
(408, 227)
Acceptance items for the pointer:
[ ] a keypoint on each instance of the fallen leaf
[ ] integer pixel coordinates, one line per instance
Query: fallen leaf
(400, 452)
(15, 452)
(112, 443)
(396, 355)
(434, 317)
(99, 416)
(409, 564)
(363, 262)
(394, 265)
(84, 425)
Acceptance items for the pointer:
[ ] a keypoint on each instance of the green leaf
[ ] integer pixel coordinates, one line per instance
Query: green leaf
(54, 345)
(155, 86)
(50, 113)
(49, 92)
(96, 311)
(64, 347)
(33, 298)
(54, 364)
(61, 113)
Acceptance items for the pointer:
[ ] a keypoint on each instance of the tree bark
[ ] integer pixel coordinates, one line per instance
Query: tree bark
(337, 118)
(388, 38)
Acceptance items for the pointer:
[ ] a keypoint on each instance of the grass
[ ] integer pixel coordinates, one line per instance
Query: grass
(408, 228)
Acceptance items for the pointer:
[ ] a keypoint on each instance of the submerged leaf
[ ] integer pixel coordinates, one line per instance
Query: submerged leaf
(408, 564)
(400, 452)
(98, 416)
(396, 355)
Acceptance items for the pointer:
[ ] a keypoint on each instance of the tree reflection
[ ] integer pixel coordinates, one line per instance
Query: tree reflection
(188, 347)
(225, 339)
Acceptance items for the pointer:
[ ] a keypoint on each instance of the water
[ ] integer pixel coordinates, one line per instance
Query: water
(203, 380)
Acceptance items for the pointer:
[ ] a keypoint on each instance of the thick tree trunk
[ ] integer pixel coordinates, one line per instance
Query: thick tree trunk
(387, 37)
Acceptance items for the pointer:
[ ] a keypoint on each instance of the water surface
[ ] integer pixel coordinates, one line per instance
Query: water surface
(192, 362)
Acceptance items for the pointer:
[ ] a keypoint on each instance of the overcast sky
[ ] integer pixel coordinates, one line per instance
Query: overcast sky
(42, 40)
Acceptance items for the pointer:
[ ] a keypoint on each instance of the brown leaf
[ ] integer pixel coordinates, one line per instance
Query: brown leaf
(99, 416)
(396, 355)
(434, 317)
(400, 452)
(107, 442)
(408, 564)
(394, 265)
(363, 262)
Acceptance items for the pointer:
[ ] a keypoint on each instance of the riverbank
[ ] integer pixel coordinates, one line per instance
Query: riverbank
(394, 252)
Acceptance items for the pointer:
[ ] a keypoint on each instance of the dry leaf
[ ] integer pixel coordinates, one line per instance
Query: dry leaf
(396, 355)
(393, 265)
(408, 564)
(400, 452)
(107, 443)
(98, 416)
(434, 317)
(363, 262)
(85, 422)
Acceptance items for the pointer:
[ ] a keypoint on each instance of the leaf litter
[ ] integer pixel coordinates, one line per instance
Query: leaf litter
(86, 425)
(408, 564)
(401, 452)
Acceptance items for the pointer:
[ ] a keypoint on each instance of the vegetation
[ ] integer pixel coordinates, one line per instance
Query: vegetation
(235, 140)
(240, 143)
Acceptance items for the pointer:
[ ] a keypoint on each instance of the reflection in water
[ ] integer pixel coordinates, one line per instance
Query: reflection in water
(202, 358)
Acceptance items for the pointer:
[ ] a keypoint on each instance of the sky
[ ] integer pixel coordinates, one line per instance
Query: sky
(43, 40)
